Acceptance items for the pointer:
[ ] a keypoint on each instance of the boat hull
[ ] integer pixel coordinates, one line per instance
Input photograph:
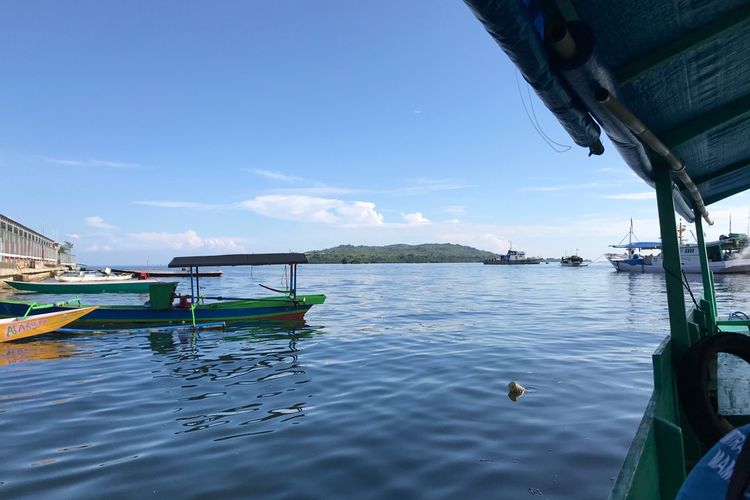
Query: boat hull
(19, 327)
(172, 274)
(499, 262)
(740, 266)
(126, 286)
(271, 308)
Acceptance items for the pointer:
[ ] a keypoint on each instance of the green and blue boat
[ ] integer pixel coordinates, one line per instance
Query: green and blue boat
(166, 308)
(669, 83)
(85, 287)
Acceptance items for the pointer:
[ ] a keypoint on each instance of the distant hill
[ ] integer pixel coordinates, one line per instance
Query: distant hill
(429, 252)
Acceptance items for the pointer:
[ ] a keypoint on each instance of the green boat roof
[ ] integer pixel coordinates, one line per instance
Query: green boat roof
(242, 259)
(682, 68)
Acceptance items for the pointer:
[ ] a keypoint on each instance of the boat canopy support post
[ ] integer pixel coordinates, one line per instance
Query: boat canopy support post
(192, 289)
(293, 280)
(672, 267)
(197, 283)
(708, 278)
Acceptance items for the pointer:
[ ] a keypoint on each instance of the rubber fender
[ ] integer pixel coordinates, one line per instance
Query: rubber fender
(692, 383)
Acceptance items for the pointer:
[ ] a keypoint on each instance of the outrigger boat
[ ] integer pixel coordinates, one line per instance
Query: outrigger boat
(725, 256)
(166, 308)
(92, 276)
(39, 324)
(669, 82)
(75, 288)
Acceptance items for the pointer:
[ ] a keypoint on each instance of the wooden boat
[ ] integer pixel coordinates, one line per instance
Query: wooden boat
(73, 288)
(92, 276)
(37, 324)
(668, 83)
(166, 308)
(156, 273)
(513, 257)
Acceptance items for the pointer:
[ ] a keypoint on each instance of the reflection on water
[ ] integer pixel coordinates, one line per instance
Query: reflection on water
(34, 350)
(264, 357)
(402, 394)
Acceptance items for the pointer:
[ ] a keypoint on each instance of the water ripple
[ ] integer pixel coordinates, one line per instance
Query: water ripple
(395, 387)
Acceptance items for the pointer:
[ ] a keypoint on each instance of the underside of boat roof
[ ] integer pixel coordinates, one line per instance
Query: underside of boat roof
(681, 68)
(242, 259)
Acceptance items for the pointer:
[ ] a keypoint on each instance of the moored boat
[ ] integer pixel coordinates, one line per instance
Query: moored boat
(160, 273)
(572, 261)
(166, 308)
(95, 286)
(513, 257)
(92, 276)
(22, 327)
(727, 255)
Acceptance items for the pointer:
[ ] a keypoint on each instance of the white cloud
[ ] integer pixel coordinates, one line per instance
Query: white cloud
(424, 186)
(177, 204)
(415, 218)
(72, 236)
(90, 163)
(272, 174)
(187, 239)
(98, 222)
(317, 189)
(648, 195)
(326, 210)
(98, 248)
(455, 209)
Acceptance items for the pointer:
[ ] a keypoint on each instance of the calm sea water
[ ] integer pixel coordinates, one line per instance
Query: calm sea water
(394, 388)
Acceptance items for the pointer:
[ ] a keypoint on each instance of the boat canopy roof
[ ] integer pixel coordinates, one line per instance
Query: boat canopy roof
(682, 69)
(240, 259)
(640, 245)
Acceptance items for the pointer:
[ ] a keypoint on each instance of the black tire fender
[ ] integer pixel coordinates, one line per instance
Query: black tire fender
(693, 378)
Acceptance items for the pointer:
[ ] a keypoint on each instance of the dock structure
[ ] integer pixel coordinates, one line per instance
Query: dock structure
(24, 251)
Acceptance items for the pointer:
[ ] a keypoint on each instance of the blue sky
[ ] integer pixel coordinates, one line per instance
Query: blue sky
(144, 130)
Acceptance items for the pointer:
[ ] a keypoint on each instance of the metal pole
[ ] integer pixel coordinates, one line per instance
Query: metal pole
(671, 257)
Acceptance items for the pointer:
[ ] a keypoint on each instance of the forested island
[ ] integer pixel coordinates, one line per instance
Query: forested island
(430, 252)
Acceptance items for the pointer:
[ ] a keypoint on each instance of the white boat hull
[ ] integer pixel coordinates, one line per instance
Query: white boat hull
(734, 266)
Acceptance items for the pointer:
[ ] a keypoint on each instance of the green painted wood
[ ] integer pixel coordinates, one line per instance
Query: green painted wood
(639, 476)
(708, 284)
(670, 455)
(671, 252)
(720, 26)
(131, 286)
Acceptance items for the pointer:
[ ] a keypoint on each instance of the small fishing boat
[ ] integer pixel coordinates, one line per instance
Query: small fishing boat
(513, 257)
(166, 308)
(572, 261)
(91, 276)
(29, 326)
(159, 273)
(91, 286)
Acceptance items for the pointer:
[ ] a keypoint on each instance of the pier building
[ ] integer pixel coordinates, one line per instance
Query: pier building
(24, 247)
